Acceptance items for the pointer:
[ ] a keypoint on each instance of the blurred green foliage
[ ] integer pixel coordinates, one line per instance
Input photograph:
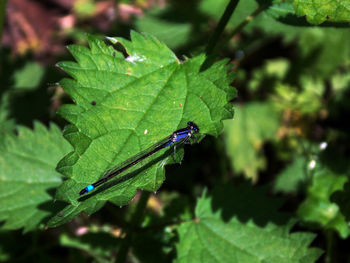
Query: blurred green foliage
(254, 124)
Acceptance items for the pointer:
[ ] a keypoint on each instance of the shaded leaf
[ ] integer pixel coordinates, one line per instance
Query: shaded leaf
(159, 22)
(97, 245)
(293, 176)
(154, 245)
(29, 76)
(279, 19)
(17, 247)
(307, 99)
(254, 124)
(317, 51)
(318, 208)
(28, 177)
(342, 199)
(240, 224)
(278, 12)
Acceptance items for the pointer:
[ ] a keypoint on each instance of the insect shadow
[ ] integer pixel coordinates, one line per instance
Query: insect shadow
(127, 176)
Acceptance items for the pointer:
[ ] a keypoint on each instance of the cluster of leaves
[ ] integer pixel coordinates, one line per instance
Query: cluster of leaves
(284, 138)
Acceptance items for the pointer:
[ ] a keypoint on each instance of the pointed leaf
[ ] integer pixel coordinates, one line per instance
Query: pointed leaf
(239, 224)
(124, 105)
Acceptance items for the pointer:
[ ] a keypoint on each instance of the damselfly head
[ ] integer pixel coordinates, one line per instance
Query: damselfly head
(193, 126)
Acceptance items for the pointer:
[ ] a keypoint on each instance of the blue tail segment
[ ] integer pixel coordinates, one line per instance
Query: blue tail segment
(87, 189)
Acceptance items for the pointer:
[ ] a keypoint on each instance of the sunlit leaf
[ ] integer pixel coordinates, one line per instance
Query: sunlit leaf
(123, 105)
(319, 11)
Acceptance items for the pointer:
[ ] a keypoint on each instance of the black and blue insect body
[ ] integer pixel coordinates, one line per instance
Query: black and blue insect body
(178, 137)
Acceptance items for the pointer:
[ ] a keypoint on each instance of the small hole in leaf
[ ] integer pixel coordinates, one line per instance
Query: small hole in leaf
(93, 103)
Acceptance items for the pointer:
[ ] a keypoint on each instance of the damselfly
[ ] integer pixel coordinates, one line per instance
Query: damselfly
(179, 136)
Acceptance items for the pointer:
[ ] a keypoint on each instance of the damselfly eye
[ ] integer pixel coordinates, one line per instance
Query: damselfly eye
(193, 126)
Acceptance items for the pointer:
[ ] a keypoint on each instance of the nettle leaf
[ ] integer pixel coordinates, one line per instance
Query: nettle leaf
(254, 123)
(319, 208)
(318, 11)
(27, 175)
(240, 224)
(123, 105)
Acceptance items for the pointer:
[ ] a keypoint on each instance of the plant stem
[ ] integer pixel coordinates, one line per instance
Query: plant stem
(330, 238)
(221, 26)
(241, 25)
(134, 223)
(2, 15)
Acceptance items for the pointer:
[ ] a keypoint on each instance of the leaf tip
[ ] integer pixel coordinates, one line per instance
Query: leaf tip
(113, 40)
(58, 65)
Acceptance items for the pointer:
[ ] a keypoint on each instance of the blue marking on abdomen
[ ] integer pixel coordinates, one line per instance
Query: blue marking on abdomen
(180, 136)
(89, 187)
(169, 143)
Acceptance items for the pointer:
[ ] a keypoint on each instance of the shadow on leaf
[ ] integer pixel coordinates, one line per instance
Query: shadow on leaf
(247, 202)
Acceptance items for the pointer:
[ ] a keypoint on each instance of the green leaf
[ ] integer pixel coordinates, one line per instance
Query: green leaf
(97, 245)
(125, 105)
(318, 11)
(307, 99)
(275, 16)
(28, 175)
(293, 176)
(342, 199)
(318, 207)
(269, 76)
(240, 224)
(154, 245)
(170, 31)
(29, 76)
(280, 19)
(254, 124)
(340, 83)
(317, 51)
